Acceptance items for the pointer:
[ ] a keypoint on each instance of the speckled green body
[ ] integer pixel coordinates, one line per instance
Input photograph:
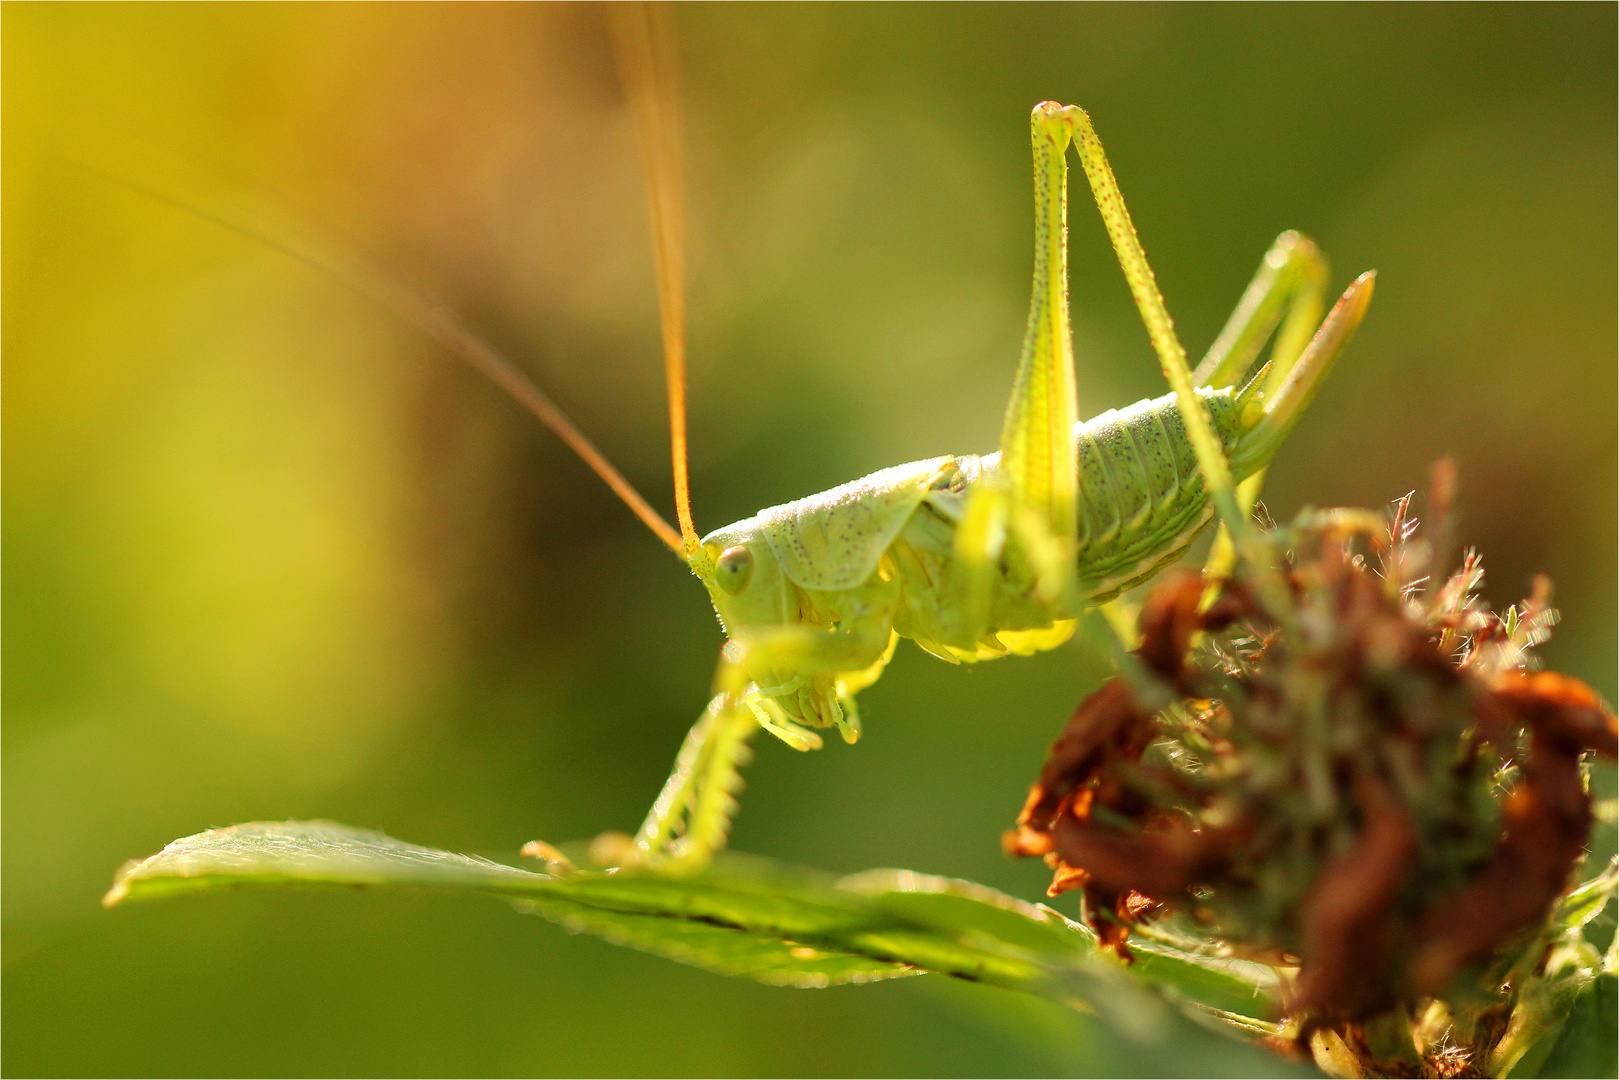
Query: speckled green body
(877, 557)
(975, 557)
(1141, 497)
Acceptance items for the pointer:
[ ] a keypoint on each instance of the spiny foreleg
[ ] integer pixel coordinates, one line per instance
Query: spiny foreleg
(692, 816)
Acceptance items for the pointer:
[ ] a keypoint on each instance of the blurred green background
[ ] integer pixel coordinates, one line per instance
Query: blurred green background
(269, 553)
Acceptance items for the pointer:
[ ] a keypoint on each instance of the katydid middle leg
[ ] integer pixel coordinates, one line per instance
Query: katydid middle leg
(1293, 274)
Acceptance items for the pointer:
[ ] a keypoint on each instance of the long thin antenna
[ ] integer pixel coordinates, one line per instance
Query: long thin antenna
(643, 40)
(348, 264)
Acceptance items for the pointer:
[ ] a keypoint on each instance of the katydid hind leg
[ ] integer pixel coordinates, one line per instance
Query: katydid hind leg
(1293, 390)
(1037, 442)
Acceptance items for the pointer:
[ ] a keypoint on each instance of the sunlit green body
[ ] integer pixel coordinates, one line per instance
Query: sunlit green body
(976, 557)
(877, 555)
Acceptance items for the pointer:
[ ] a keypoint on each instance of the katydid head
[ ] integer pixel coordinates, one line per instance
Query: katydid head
(744, 579)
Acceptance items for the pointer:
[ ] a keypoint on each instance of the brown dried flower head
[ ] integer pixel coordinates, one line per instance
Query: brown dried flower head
(1372, 784)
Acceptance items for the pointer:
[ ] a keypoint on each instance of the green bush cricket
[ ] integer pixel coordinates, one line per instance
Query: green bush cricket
(971, 557)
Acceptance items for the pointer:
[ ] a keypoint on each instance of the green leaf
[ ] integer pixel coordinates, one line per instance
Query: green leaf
(723, 950)
(303, 852)
(1584, 902)
(1238, 987)
(1588, 1044)
(746, 922)
(1220, 984)
(744, 917)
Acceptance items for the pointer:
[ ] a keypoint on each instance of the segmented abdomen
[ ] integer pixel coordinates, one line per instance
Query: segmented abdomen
(1141, 495)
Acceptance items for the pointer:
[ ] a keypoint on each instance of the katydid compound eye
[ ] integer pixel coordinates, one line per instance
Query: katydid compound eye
(733, 568)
